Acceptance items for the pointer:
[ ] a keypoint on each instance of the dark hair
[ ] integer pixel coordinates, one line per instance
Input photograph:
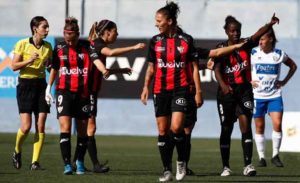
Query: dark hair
(171, 11)
(98, 28)
(271, 34)
(71, 24)
(231, 20)
(35, 22)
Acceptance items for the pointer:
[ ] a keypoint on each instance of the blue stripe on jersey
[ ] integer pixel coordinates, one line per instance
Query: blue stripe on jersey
(267, 68)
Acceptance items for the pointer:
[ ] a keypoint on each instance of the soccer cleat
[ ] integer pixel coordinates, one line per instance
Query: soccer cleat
(74, 167)
(226, 172)
(68, 169)
(262, 162)
(181, 170)
(35, 166)
(249, 170)
(17, 160)
(189, 172)
(100, 168)
(80, 168)
(276, 161)
(167, 176)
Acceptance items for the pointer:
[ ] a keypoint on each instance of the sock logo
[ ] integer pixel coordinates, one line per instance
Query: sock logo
(64, 140)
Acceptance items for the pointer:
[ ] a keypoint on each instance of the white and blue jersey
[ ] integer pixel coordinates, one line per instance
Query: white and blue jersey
(265, 68)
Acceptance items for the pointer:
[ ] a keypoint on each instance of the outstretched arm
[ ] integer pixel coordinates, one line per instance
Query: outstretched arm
(118, 51)
(219, 52)
(255, 37)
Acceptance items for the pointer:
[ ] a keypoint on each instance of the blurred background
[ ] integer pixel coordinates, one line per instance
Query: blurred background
(120, 111)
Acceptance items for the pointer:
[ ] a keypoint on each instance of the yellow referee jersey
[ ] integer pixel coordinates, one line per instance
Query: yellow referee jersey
(25, 48)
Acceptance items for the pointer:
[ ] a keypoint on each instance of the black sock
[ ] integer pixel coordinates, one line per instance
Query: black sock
(179, 140)
(65, 147)
(164, 150)
(225, 141)
(81, 146)
(75, 157)
(188, 148)
(247, 144)
(92, 149)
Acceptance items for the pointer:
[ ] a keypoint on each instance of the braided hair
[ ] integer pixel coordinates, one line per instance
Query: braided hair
(231, 20)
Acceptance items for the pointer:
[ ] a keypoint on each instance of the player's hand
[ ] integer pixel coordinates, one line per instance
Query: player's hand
(144, 95)
(278, 84)
(48, 96)
(139, 46)
(126, 71)
(199, 99)
(254, 84)
(210, 64)
(33, 57)
(274, 20)
(226, 89)
(106, 74)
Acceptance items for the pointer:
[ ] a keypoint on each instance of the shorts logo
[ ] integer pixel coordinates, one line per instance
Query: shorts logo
(59, 109)
(85, 108)
(181, 101)
(248, 104)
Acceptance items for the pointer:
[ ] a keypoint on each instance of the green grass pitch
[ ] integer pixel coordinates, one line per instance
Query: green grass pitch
(136, 159)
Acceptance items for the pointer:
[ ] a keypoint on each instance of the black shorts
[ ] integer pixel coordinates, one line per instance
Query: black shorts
(31, 96)
(191, 113)
(93, 101)
(240, 102)
(72, 104)
(170, 101)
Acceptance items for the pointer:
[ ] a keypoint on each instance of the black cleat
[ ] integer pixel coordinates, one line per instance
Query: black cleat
(262, 163)
(276, 161)
(17, 161)
(100, 168)
(36, 166)
(189, 172)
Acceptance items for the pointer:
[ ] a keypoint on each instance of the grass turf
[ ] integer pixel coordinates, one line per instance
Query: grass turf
(136, 159)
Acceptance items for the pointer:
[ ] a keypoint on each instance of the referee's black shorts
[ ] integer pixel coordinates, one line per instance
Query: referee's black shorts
(31, 96)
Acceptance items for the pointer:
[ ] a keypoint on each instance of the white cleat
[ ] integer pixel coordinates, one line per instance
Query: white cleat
(167, 176)
(226, 172)
(181, 170)
(249, 170)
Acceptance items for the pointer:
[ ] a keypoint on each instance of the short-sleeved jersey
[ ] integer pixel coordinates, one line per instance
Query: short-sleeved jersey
(73, 64)
(171, 58)
(26, 48)
(235, 67)
(95, 75)
(266, 70)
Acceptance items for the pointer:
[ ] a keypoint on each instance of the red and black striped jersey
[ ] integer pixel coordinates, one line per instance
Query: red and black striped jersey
(72, 63)
(95, 75)
(236, 67)
(171, 58)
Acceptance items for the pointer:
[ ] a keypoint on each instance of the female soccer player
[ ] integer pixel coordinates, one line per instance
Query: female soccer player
(102, 34)
(234, 96)
(31, 55)
(170, 53)
(71, 62)
(266, 61)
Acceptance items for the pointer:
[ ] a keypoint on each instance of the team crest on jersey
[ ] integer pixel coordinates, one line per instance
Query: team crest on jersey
(59, 109)
(81, 56)
(180, 49)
